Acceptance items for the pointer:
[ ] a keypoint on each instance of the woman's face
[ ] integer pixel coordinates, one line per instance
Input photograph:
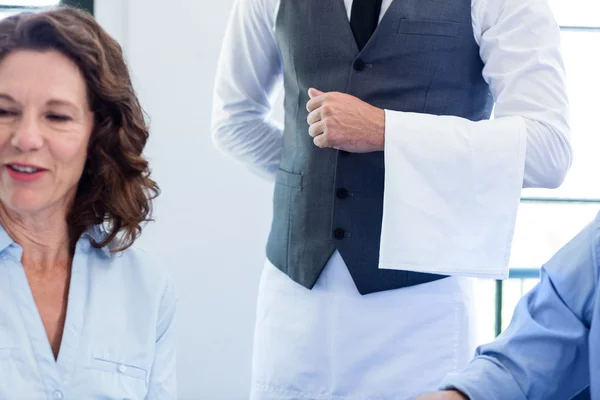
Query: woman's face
(45, 128)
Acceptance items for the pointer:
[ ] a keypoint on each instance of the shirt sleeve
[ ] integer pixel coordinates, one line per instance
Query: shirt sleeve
(455, 193)
(544, 352)
(163, 381)
(249, 74)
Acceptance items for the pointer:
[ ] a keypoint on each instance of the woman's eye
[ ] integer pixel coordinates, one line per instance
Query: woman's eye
(58, 117)
(6, 113)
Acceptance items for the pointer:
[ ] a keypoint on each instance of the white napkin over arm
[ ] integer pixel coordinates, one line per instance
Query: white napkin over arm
(453, 186)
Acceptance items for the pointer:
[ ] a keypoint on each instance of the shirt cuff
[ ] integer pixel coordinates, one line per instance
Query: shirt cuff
(484, 379)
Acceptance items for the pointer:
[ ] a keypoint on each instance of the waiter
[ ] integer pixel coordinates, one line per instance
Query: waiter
(392, 186)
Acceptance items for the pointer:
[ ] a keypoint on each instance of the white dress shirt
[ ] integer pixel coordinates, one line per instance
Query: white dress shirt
(452, 186)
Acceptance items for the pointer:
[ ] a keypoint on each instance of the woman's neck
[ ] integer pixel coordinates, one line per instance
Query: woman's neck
(44, 238)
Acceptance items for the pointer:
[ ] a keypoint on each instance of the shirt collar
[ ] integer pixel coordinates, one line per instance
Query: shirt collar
(94, 232)
(5, 240)
(97, 234)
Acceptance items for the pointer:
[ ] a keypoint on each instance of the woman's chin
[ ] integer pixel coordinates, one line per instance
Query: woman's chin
(24, 205)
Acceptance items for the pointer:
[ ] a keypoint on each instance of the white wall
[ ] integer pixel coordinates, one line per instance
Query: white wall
(213, 216)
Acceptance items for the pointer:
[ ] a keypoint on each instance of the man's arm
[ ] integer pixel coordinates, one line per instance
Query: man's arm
(543, 354)
(520, 47)
(248, 73)
(460, 181)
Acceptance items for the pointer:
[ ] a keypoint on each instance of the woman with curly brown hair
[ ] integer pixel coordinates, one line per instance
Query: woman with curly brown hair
(82, 314)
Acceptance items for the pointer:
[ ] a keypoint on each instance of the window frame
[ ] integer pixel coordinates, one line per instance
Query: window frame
(87, 5)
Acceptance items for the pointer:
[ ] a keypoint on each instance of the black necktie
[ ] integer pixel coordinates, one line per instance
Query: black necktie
(363, 20)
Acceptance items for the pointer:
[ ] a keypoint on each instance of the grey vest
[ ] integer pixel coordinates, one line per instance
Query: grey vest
(421, 58)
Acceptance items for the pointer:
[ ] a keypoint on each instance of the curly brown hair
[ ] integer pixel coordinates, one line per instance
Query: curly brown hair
(115, 189)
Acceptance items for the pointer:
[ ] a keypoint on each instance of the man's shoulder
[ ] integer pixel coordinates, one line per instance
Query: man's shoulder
(584, 247)
(574, 270)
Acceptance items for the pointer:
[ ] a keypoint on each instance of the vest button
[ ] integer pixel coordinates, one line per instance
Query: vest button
(339, 234)
(341, 193)
(359, 65)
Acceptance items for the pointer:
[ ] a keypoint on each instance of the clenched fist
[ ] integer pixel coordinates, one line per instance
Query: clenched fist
(344, 122)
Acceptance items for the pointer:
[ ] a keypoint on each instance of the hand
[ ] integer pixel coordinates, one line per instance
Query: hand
(344, 122)
(445, 395)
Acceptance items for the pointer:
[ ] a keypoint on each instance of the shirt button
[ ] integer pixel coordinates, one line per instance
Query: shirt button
(339, 234)
(359, 65)
(58, 395)
(341, 193)
(122, 368)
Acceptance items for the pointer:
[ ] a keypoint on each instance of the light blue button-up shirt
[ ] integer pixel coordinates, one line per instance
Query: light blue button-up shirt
(551, 350)
(118, 340)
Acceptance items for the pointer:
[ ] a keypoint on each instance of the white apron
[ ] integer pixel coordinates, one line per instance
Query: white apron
(333, 343)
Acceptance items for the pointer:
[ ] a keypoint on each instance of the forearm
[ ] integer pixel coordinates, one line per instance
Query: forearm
(255, 143)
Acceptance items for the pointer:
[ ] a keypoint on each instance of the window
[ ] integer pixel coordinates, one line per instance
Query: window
(549, 218)
(29, 3)
(11, 7)
(14, 6)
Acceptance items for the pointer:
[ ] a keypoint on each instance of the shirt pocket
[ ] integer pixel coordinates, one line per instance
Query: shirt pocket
(118, 368)
(120, 376)
(22, 374)
(11, 354)
(5, 353)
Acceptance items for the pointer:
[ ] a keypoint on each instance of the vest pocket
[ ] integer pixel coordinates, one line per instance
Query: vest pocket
(289, 179)
(428, 27)
(288, 187)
